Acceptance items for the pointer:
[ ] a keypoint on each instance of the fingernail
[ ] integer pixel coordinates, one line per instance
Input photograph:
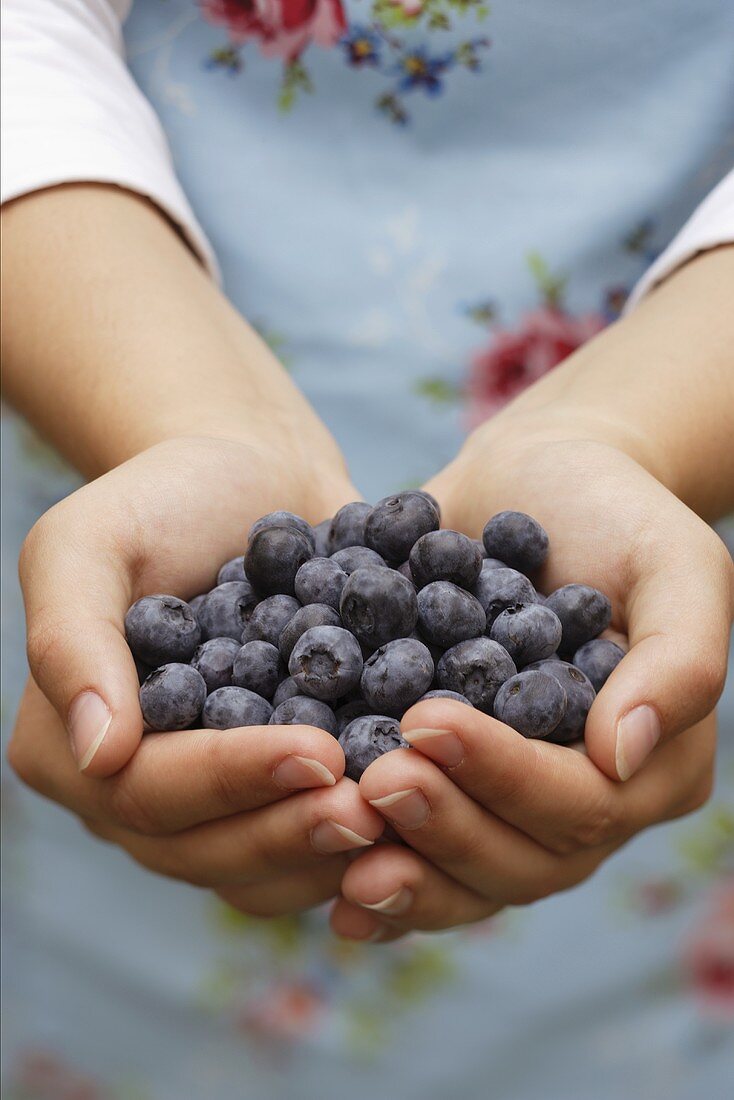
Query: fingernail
(89, 720)
(296, 772)
(443, 746)
(329, 837)
(637, 735)
(407, 809)
(393, 906)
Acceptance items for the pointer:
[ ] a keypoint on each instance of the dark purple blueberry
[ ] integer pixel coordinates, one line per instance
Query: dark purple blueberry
(378, 605)
(480, 547)
(448, 614)
(142, 669)
(533, 703)
(441, 693)
(321, 538)
(406, 572)
(598, 659)
(229, 708)
(397, 522)
(274, 556)
(258, 668)
(160, 629)
(584, 612)
(313, 614)
(347, 526)
(529, 633)
(233, 570)
(579, 693)
(303, 710)
(269, 618)
(320, 580)
(172, 696)
(497, 589)
(214, 659)
(196, 601)
(431, 500)
(347, 712)
(445, 556)
(356, 557)
(283, 519)
(516, 539)
(286, 689)
(227, 609)
(476, 669)
(396, 676)
(326, 662)
(365, 739)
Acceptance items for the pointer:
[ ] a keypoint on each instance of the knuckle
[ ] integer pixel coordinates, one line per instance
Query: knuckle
(709, 676)
(226, 781)
(128, 809)
(597, 827)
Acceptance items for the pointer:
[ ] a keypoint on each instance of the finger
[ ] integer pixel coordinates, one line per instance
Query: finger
(400, 887)
(302, 831)
(472, 846)
(349, 922)
(679, 615)
(556, 796)
(76, 593)
(175, 780)
(293, 893)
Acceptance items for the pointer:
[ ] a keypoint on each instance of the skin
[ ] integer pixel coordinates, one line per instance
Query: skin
(188, 454)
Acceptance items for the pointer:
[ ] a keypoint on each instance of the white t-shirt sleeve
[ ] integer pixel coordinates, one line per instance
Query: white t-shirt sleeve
(72, 111)
(711, 224)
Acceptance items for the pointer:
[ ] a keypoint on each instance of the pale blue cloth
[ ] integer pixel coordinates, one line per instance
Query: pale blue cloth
(366, 250)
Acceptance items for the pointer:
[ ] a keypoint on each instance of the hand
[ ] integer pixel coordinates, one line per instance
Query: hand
(518, 819)
(209, 807)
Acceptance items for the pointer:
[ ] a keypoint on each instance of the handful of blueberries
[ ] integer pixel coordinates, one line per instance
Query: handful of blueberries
(346, 625)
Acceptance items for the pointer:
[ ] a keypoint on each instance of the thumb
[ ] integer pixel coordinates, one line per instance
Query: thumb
(75, 602)
(679, 616)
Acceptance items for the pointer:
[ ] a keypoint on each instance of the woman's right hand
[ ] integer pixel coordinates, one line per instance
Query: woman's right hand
(214, 808)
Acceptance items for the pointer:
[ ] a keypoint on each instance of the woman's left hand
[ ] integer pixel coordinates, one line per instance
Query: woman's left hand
(494, 819)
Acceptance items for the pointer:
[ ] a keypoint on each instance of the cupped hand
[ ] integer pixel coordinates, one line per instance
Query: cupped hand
(206, 806)
(501, 820)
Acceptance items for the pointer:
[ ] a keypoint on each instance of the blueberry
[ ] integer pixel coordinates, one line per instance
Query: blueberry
(431, 500)
(229, 708)
(378, 605)
(529, 633)
(579, 693)
(314, 614)
(161, 629)
(172, 696)
(516, 539)
(497, 589)
(213, 659)
(320, 580)
(448, 614)
(396, 676)
(257, 667)
(302, 710)
(283, 519)
(233, 570)
(397, 522)
(406, 572)
(274, 556)
(355, 557)
(445, 556)
(226, 610)
(367, 738)
(584, 612)
(441, 693)
(347, 712)
(347, 526)
(321, 538)
(598, 660)
(533, 703)
(286, 689)
(326, 662)
(477, 669)
(196, 601)
(269, 618)
(480, 547)
(142, 669)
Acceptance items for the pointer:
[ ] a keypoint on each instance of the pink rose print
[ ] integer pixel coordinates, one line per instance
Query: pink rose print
(284, 1013)
(517, 357)
(709, 955)
(283, 28)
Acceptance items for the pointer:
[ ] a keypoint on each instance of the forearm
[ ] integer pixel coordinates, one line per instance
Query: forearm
(114, 338)
(659, 383)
